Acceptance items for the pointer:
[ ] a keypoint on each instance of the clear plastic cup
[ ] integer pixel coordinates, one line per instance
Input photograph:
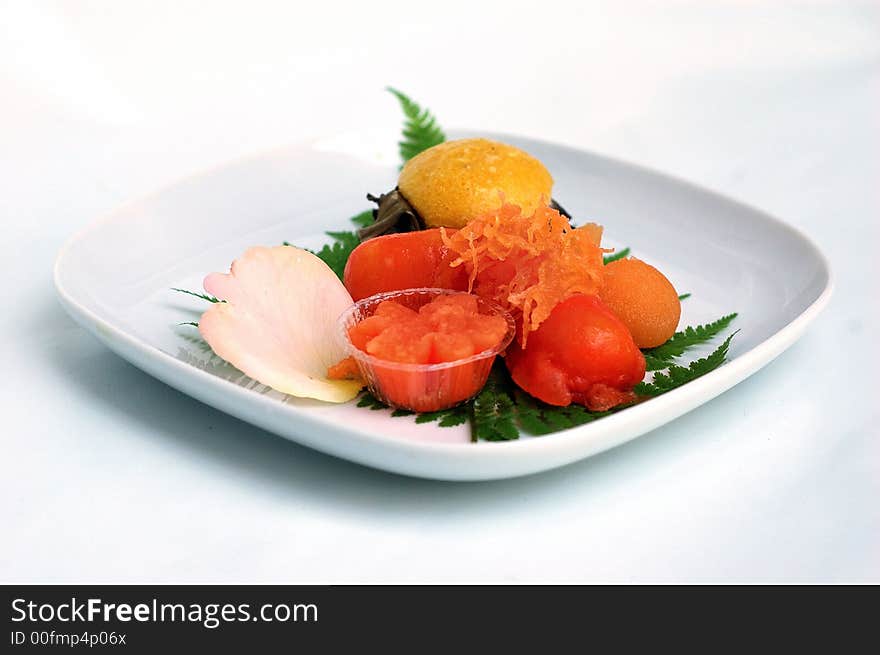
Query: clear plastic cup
(422, 387)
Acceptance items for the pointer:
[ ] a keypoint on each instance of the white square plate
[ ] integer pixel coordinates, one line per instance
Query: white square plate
(115, 277)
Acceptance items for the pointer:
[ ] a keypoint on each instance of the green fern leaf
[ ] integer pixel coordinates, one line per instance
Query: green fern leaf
(679, 375)
(655, 363)
(557, 420)
(494, 408)
(538, 418)
(203, 296)
(369, 400)
(430, 417)
(529, 414)
(420, 128)
(580, 415)
(458, 416)
(680, 342)
(587, 416)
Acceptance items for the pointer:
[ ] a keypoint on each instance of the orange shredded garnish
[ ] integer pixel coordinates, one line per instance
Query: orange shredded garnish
(528, 264)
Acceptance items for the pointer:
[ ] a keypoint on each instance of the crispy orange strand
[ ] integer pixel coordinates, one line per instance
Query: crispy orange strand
(552, 260)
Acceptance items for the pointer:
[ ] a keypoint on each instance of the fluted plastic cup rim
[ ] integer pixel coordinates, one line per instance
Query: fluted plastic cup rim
(343, 324)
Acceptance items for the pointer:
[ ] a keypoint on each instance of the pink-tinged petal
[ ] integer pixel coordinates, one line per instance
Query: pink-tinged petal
(278, 324)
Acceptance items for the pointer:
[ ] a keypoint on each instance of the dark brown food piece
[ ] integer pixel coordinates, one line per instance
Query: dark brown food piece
(394, 214)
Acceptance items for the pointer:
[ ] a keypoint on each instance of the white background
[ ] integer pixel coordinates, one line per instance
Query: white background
(109, 475)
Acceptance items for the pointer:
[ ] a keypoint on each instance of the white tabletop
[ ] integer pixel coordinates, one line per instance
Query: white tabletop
(110, 476)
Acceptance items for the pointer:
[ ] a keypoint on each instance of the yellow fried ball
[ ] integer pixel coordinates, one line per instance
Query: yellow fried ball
(643, 299)
(453, 182)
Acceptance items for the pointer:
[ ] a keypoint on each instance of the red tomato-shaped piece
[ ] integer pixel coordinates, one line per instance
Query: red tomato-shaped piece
(582, 353)
(402, 261)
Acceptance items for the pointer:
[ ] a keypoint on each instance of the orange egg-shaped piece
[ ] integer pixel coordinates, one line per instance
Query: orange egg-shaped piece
(643, 298)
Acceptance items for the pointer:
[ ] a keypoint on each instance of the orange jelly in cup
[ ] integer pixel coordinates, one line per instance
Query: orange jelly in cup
(425, 349)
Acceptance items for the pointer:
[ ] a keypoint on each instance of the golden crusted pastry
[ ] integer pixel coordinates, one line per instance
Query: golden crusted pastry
(453, 182)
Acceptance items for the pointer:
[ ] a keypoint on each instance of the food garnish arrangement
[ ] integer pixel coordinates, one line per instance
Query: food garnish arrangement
(468, 294)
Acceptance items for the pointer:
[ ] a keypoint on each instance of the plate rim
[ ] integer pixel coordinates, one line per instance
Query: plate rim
(669, 406)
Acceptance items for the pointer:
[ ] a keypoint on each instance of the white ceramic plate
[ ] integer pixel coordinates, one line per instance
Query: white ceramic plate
(114, 279)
